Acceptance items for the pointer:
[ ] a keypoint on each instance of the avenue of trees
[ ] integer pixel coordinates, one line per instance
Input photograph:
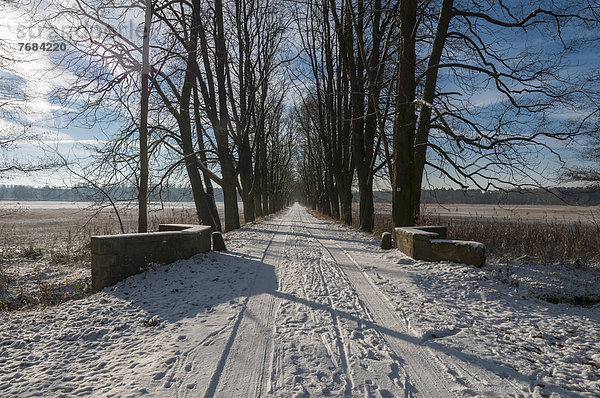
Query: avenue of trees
(466, 90)
(199, 95)
(275, 100)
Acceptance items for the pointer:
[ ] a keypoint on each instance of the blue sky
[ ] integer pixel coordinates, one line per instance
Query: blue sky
(35, 76)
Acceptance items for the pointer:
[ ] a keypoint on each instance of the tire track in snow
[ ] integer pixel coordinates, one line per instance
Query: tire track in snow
(340, 341)
(244, 369)
(462, 377)
(309, 360)
(371, 368)
(425, 372)
(339, 337)
(473, 378)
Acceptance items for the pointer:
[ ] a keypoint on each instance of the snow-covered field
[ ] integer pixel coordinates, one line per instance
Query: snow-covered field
(300, 306)
(544, 214)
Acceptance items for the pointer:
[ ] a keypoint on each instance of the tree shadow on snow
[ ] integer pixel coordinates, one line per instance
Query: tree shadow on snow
(195, 288)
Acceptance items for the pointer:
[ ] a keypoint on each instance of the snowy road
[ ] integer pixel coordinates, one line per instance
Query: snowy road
(313, 323)
(300, 306)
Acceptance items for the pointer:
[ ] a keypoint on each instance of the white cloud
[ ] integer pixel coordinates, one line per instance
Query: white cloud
(35, 68)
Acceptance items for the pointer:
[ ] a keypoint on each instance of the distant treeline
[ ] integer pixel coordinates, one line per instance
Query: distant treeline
(28, 193)
(554, 196)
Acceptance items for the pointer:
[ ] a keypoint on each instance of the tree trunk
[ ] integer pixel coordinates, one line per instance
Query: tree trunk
(191, 162)
(265, 203)
(249, 207)
(258, 182)
(428, 97)
(325, 190)
(201, 201)
(367, 211)
(265, 183)
(232, 217)
(347, 164)
(246, 179)
(334, 199)
(404, 121)
(258, 208)
(143, 188)
(210, 193)
(346, 206)
(246, 101)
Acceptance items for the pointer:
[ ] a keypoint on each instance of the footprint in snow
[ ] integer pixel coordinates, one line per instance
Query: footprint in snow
(170, 361)
(154, 321)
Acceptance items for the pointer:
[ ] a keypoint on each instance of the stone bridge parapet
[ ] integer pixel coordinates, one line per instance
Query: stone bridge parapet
(429, 243)
(116, 257)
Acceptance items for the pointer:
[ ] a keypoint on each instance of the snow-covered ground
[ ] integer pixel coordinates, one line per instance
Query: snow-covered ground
(300, 306)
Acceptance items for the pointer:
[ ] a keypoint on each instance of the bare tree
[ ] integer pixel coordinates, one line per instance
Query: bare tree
(496, 145)
(405, 118)
(324, 114)
(209, 111)
(348, 46)
(255, 57)
(106, 65)
(143, 191)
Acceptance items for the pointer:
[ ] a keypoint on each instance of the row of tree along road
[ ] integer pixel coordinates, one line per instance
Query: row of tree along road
(275, 100)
